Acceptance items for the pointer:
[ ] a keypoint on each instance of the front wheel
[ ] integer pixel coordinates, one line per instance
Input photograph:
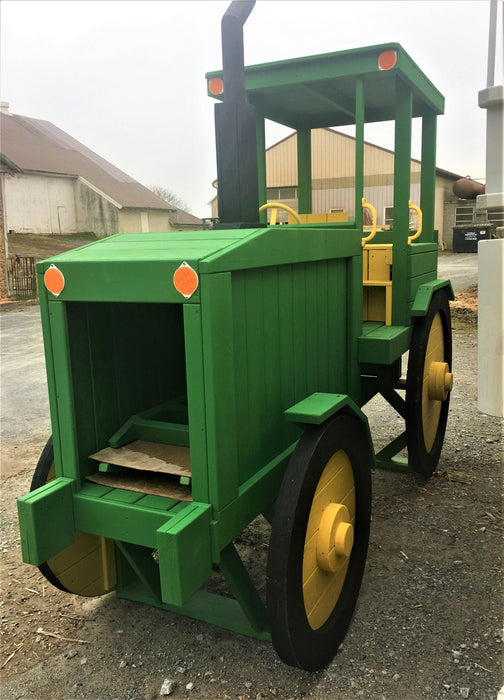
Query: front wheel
(319, 541)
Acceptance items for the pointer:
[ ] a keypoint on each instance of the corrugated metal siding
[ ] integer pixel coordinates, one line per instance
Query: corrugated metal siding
(281, 163)
(379, 196)
(289, 328)
(333, 172)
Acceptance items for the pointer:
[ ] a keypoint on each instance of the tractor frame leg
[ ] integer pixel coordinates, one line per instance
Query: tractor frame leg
(386, 380)
(138, 579)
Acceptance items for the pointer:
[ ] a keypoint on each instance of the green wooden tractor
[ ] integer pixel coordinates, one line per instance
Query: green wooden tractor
(199, 379)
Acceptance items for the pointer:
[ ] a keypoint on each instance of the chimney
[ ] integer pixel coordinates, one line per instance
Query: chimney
(4, 108)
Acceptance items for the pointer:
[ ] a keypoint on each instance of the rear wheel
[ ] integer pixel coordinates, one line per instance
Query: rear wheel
(428, 385)
(319, 542)
(86, 567)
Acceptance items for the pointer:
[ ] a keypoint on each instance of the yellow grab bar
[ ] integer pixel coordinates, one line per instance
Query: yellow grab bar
(419, 229)
(366, 205)
(278, 205)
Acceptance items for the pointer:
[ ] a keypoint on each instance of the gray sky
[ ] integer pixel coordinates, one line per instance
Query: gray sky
(126, 78)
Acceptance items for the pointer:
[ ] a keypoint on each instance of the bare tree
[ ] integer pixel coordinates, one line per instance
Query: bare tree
(168, 196)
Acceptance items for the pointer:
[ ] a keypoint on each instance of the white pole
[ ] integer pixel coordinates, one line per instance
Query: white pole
(491, 253)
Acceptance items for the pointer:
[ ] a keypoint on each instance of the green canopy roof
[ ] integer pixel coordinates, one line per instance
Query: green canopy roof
(319, 91)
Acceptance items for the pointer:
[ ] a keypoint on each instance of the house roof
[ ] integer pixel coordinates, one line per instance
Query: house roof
(35, 145)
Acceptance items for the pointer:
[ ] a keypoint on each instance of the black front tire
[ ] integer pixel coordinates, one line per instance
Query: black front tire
(296, 640)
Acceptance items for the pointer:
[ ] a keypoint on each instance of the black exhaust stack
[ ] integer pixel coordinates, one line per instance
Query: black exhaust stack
(235, 129)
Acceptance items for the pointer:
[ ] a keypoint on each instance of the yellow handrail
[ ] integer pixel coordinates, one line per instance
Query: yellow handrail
(275, 206)
(419, 229)
(366, 205)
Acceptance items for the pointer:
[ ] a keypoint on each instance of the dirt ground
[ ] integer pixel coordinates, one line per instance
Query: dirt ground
(428, 623)
(43, 246)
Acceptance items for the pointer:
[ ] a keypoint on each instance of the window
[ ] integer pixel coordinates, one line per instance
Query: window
(275, 193)
(464, 215)
(336, 210)
(388, 216)
(496, 217)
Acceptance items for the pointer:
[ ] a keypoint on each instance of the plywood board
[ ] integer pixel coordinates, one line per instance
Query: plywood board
(148, 456)
(155, 484)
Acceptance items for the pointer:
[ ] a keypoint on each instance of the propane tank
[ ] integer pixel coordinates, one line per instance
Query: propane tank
(465, 188)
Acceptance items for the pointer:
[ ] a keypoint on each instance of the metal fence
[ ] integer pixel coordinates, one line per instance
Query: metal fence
(21, 276)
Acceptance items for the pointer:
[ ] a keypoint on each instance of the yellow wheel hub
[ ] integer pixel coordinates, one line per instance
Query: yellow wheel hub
(329, 539)
(440, 381)
(437, 382)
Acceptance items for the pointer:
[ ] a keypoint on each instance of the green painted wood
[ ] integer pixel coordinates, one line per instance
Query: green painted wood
(370, 326)
(64, 393)
(196, 403)
(396, 464)
(422, 264)
(304, 164)
(420, 247)
(127, 522)
(428, 176)
(284, 245)
(359, 151)
(354, 326)
(402, 175)
(185, 561)
(85, 371)
(157, 502)
(254, 498)
(112, 281)
(424, 295)
(46, 521)
(383, 345)
(50, 370)
(225, 613)
(122, 496)
(416, 282)
(143, 345)
(220, 398)
(316, 408)
(392, 449)
(151, 430)
(289, 323)
(97, 490)
(243, 589)
(143, 566)
(318, 91)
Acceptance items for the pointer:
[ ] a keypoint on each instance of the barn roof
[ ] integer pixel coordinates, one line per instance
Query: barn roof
(35, 145)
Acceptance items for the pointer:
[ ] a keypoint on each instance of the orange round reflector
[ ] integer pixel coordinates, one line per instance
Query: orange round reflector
(387, 60)
(54, 280)
(216, 86)
(185, 280)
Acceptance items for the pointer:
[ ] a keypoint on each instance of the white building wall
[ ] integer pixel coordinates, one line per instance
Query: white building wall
(39, 204)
